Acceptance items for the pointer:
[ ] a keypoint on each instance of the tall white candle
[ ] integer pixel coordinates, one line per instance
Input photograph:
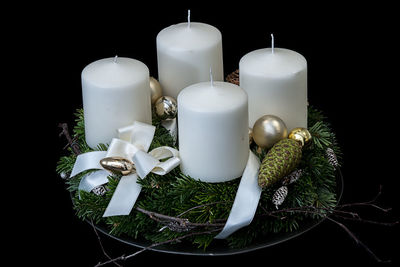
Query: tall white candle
(116, 92)
(185, 53)
(275, 80)
(213, 131)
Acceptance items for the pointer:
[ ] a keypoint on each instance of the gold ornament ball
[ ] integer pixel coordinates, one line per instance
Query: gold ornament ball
(268, 130)
(166, 108)
(155, 89)
(302, 135)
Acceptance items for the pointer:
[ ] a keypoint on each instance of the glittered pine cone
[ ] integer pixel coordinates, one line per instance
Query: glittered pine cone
(280, 160)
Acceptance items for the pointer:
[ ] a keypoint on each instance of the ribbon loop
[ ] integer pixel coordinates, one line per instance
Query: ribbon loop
(138, 134)
(165, 152)
(88, 161)
(121, 148)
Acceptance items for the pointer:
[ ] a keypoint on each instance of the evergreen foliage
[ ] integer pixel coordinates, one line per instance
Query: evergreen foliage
(176, 193)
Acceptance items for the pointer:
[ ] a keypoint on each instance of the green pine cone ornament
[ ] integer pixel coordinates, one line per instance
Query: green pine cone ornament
(280, 160)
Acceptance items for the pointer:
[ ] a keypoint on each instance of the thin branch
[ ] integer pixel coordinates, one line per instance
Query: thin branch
(359, 219)
(101, 244)
(322, 211)
(158, 244)
(355, 216)
(182, 222)
(358, 241)
(71, 142)
(370, 203)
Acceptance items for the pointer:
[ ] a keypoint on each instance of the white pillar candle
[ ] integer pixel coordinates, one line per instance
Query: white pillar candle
(275, 80)
(185, 53)
(116, 92)
(213, 131)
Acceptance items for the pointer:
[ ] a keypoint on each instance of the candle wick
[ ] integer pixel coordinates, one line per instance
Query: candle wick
(211, 78)
(188, 18)
(272, 43)
(115, 58)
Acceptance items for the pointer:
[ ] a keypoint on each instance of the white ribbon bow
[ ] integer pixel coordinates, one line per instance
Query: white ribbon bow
(133, 143)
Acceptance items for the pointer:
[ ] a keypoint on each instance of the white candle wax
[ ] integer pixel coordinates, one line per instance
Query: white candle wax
(116, 92)
(213, 131)
(185, 52)
(275, 80)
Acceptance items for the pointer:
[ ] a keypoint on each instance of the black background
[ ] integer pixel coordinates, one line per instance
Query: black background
(350, 52)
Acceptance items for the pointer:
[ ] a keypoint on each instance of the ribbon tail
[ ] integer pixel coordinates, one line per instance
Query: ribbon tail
(124, 197)
(92, 180)
(246, 201)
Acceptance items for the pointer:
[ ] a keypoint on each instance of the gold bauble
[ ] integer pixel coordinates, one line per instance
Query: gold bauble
(166, 107)
(250, 136)
(118, 165)
(302, 135)
(155, 89)
(268, 130)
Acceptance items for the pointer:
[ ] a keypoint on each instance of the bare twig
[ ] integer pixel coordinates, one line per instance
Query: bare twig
(370, 203)
(179, 224)
(101, 244)
(347, 215)
(358, 241)
(71, 142)
(158, 244)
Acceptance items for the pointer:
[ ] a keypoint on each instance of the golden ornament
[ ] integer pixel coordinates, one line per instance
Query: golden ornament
(302, 135)
(166, 108)
(268, 130)
(155, 89)
(250, 136)
(118, 165)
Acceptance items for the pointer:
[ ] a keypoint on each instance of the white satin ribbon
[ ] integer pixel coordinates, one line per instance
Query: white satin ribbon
(133, 144)
(246, 201)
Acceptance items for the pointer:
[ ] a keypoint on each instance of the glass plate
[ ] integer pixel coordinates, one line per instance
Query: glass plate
(219, 247)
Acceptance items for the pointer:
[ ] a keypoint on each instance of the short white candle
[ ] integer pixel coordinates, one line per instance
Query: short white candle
(213, 131)
(275, 80)
(185, 53)
(116, 92)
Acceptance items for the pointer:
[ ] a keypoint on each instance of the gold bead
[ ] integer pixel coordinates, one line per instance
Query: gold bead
(166, 108)
(155, 89)
(268, 130)
(302, 135)
(118, 165)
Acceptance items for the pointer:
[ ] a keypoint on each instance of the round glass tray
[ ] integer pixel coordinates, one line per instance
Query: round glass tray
(219, 247)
